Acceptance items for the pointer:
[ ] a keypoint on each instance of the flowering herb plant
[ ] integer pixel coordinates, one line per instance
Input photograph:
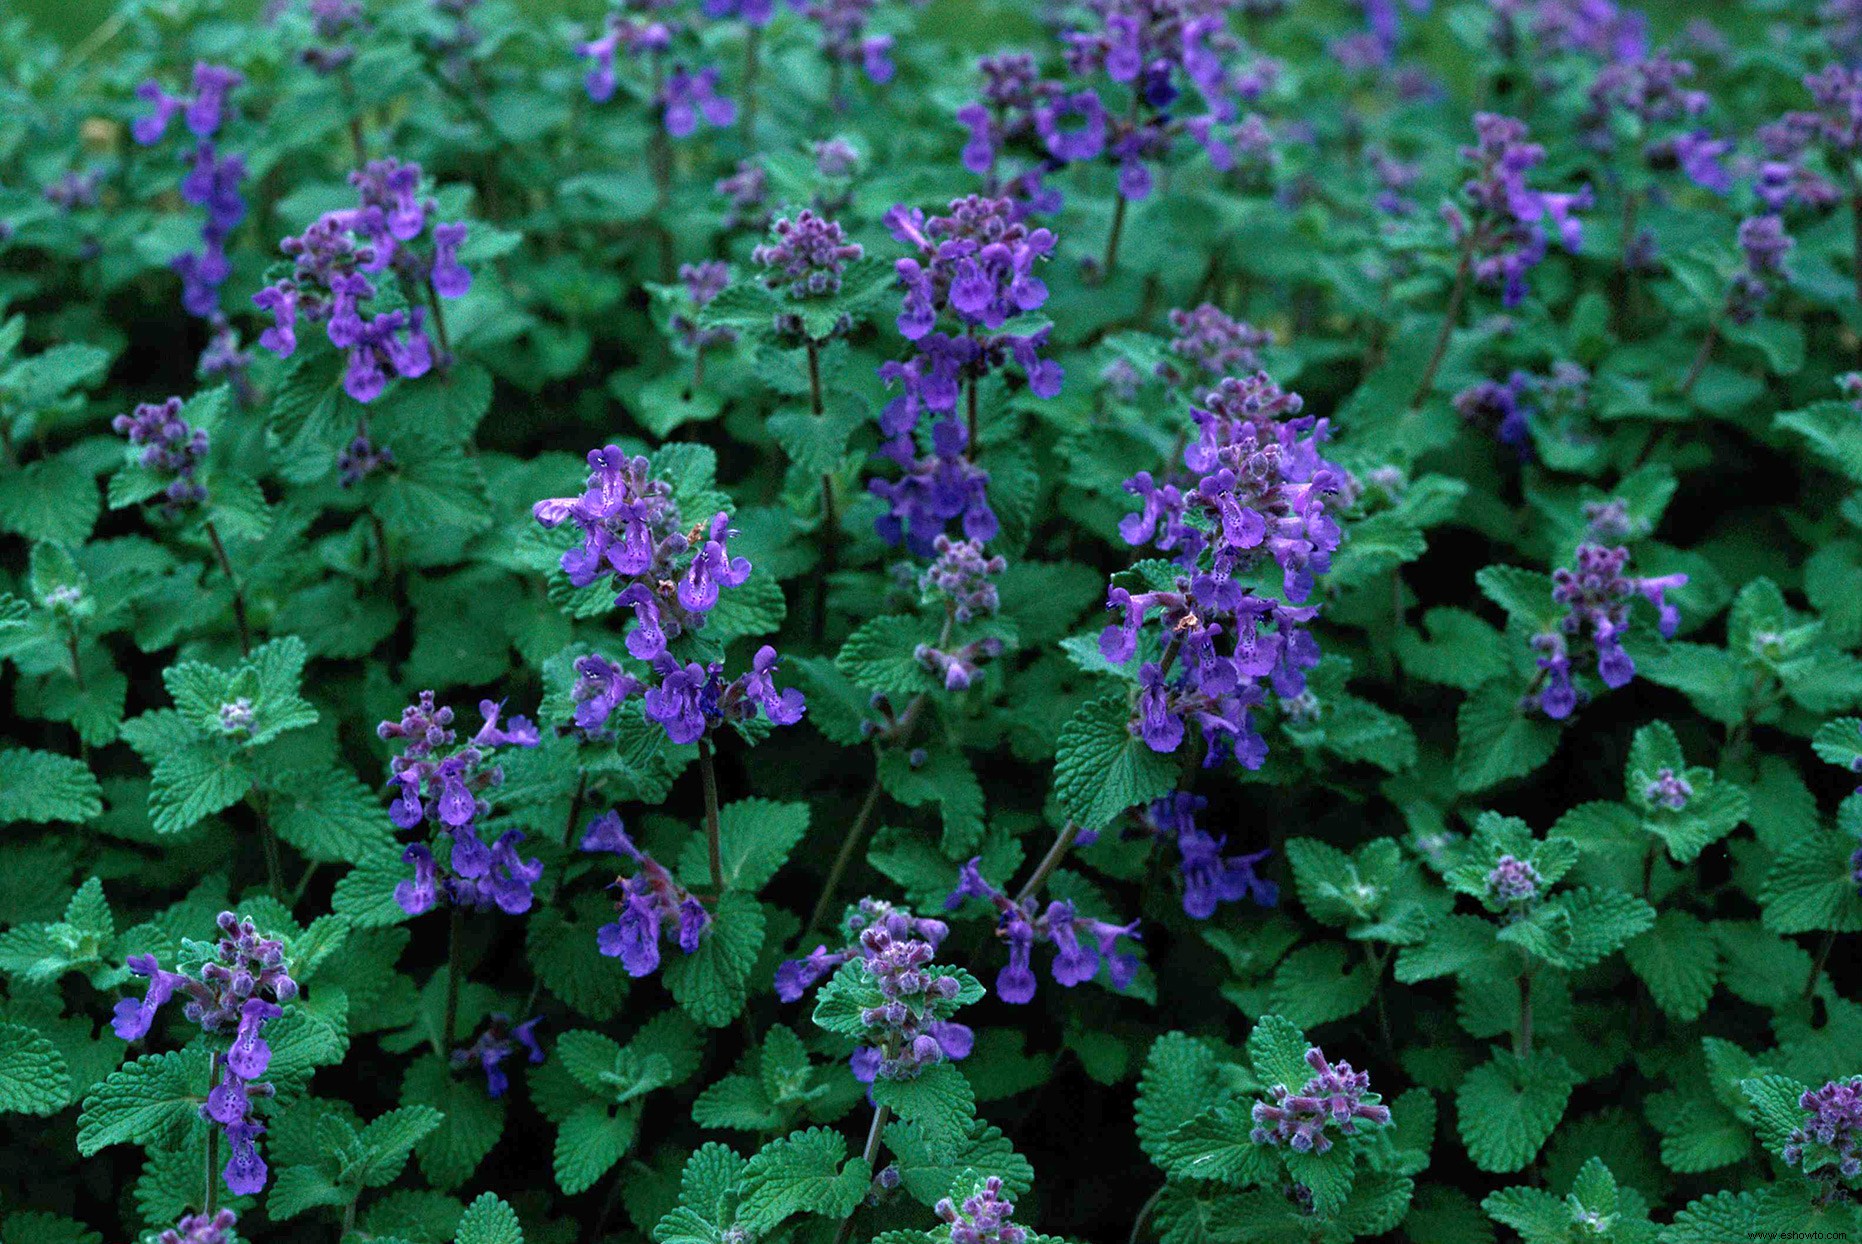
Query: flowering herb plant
(930, 621)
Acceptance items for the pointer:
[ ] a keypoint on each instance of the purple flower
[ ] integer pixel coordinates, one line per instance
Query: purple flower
(1598, 594)
(686, 97)
(1209, 877)
(1513, 882)
(982, 1217)
(961, 576)
(1824, 1146)
(224, 993)
(1214, 345)
(1335, 1097)
(337, 264)
(1505, 230)
(647, 900)
(1668, 790)
(904, 1034)
(497, 1043)
(1019, 927)
(1500, 410)
(170, 447)
(201, 1229)
(806, 256)
(438, 780)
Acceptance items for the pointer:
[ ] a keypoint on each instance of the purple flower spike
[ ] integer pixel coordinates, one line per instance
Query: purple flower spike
(1335, 1098)
(1598, 594)
(1017, 925)
(650, 901)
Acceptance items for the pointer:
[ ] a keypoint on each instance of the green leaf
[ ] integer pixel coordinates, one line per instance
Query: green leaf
(755, 838)
(1215, 1145)
(1812, 886)
(1679, 961)
(195, 782)
(49, 499)
(712, 982)
(801, 1173)
(488, 1220)
(928, 1169)
(589, 1142)
(1498, 739)
(1277, 1052)
(1101, 768)
(388, 1141)
(938, 1099)
(1525, 595)
(41, 786)
(449, 1154)
(144, 1100)
(1840, 742)
(34, 1078)
(1508, 1106)
(1181, 1077)
(878, 656)
(1328, 1175)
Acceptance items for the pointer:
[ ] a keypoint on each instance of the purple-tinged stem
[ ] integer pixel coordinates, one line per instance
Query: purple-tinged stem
(1464, 270)
(239, 593)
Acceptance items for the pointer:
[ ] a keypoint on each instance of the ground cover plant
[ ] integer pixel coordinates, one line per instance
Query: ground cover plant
(722, 621)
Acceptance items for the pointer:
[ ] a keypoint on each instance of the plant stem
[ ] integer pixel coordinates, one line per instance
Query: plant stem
(970, 414)
(1823, 957)
(1112, 238)
(1855, 222)
(575, 810)
(268, 839)
(830, 512)
(1522, 1040)
(871, 1153)
(439, 327)
(349, 1213)
(1702, 355)
(455, 926)
(1458, 292)
(1144, 1214)
(71, 647)
(213, 1141)
(357, 146)
(753, 45)
(1063, 841)
(1622, 277)
(849, 844)
(708, 775)
(239, 593)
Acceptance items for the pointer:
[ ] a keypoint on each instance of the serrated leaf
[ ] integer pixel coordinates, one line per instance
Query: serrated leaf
(488, 1220)
(42, 786)
(34, 1077)
(1101, 768)
(143, 1100)
(711, 983)
(1508, 1106)
(802, 1173)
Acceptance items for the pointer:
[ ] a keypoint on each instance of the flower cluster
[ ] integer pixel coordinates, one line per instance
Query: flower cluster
(1834, 1123)
(212, 180)
(1019, 110)
(632, 534)
(497, 1043)
(1668, 790)
(1079, 944)
(690, 699)
(1218, 680)
(330, 282)
(1335, 1097)
(1504, 230)
(437, 781)
(360, 459)
(1260, 481)
(215, 1228)
(1212, 345)
(682, 95)
(171, 447)
(960, 576)
(1513, 882)
(73, 190)
(806, 256)
(1764, 244)
(1500, 410)
(224, 983)
(904, 1034)
(846, 39)
(1598, 595)
(983, 1217)
(703, 282)
(747, 192)
(796, 977)
(334, 27)
(960, 667)
(1647, 97)
(1209, 877)
(1159, 49)
(650, 899)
